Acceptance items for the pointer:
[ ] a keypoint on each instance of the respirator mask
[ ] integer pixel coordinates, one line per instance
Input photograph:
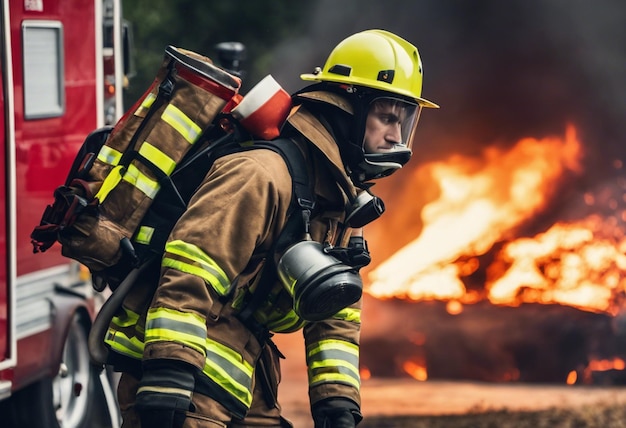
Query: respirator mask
(322, 279)
(382, 136)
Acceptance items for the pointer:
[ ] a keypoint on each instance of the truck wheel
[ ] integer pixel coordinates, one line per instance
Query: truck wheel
(73, 386)
(64, 401)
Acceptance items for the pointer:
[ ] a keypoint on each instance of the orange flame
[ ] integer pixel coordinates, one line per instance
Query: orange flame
(365, 373)
(572, 377)
(481, 202)
(586, 374)
(467, 247)
(578, 265)
(604, 365)
(454, 307)
(415, 370)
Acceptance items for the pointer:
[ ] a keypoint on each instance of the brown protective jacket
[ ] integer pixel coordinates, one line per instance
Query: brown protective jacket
(234, 217)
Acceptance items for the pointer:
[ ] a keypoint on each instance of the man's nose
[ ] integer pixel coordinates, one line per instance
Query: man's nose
(394, 134)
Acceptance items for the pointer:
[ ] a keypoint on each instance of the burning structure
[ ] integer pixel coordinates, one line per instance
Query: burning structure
(497, 291)
(502, 254)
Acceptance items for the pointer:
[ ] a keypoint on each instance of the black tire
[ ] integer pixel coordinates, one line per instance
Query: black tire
(66, 400)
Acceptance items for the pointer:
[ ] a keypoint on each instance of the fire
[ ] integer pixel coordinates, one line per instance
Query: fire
(454, 307)
(579, 265)
(481, 204)
(416, 370)
(604, 365)
(365, 373)
(586, 375)
(483, 242)
(571, 377)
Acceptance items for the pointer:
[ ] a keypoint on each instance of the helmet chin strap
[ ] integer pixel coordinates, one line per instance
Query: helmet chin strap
(399, 155)
(379, 171)
(378, 165)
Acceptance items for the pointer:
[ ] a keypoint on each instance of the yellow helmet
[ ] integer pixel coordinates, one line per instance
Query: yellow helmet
(375, 59)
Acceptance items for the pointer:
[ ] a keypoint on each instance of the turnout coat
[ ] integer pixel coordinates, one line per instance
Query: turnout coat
(186, 309)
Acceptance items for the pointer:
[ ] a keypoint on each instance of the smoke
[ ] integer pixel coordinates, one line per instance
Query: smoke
(500, 70)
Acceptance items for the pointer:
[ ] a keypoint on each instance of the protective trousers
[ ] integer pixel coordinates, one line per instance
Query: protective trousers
(208, 412)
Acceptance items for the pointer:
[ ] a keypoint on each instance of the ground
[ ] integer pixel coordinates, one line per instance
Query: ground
(403, 403)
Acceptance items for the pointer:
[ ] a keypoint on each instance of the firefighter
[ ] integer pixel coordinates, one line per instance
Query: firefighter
(194, 339)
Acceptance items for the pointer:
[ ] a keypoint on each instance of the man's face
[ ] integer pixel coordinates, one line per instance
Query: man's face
(384, 126)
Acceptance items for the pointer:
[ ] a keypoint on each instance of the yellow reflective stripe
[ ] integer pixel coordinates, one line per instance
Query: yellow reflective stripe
(227, 368)
(145, 104)
(289, 322)
(144, 235)
(181, 122)
(122, 344)
(109, 155)
(170, 325)
(334, 378)
(200, 264)
(329, 345)
(335, 363)
(333, 360)
(133, 176)
(349, 314)
(109, 183)
(128, 319)
(141, 181)
(157, 157)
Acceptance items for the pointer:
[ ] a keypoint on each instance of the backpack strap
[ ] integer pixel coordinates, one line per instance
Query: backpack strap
(302, 193)
(176, 191)
(164, 93)
(297, 226)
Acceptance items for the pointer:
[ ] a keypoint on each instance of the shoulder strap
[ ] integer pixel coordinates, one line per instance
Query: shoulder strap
(296, 226)
(302, 193)
(164, 93)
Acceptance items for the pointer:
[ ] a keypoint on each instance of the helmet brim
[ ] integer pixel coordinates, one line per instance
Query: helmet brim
(356, 81)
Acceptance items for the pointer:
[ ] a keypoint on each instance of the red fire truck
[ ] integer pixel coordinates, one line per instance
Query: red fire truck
(61, 77)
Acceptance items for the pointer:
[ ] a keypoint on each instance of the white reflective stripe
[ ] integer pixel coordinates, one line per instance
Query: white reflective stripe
(262, 93)
(145, 104)
(144, 235)
(141, 181)
(109, 155)
(165, 390)
(157, 157)
(180, 122)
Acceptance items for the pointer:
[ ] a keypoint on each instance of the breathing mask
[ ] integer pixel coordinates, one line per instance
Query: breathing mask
(387, 126)
(321, 285)
(323, 279)
(365, 209)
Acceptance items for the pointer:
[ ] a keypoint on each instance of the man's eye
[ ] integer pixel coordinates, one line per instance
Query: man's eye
(389, 119)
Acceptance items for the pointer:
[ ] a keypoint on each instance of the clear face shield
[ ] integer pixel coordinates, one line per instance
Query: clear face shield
(388, 137)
